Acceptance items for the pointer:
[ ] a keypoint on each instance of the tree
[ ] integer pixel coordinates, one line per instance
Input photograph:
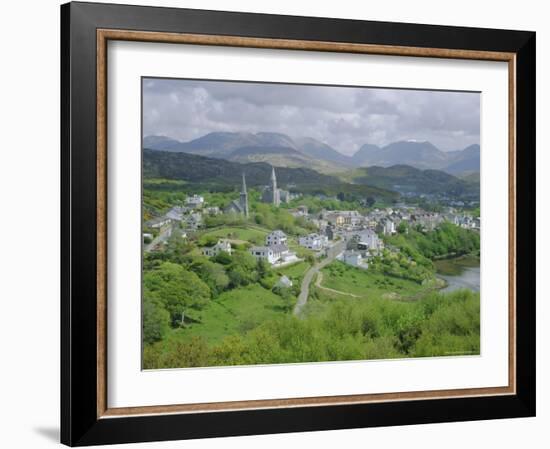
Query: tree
(242, 270)
(223, 258)
(263, 269)
(403, 227)
(156, 319)
(370, 201)
(213, 274)
(177, 288)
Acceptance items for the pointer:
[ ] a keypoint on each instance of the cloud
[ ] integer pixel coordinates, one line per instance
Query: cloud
(343, 117)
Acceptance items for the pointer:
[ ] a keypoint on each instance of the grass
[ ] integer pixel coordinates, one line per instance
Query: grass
(163, 181)
(300, 251)
(233, 312)
(295, 272)
(252, 235)
(367, 283)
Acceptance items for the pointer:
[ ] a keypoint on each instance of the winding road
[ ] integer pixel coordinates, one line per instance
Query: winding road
(162, 237)
(332, 252)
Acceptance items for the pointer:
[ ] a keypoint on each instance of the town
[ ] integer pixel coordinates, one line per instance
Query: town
(361, 233)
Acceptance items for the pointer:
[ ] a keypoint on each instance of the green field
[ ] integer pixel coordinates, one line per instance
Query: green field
(367, 283)
(300, 251)
(295, 272)
(253, 235)
(233, 312)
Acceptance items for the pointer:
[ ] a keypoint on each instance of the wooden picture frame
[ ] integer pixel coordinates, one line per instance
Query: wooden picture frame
(86, 29)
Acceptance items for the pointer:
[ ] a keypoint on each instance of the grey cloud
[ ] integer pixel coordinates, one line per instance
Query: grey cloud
(343, 117)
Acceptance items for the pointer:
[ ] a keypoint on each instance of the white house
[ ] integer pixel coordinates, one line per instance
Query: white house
(194, 202)
(367, 239)
(315, 242)
(274, 254)
(354, 259)
(270, 254)
(387, 226)
(277, 237)
(212, 251)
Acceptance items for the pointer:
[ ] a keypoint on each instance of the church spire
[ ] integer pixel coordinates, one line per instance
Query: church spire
(274, 190)
(244, 198)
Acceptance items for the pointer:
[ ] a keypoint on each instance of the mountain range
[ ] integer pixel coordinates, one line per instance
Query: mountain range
(283, 151)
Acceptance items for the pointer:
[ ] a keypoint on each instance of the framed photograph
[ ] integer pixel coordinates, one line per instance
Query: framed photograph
(281, 224)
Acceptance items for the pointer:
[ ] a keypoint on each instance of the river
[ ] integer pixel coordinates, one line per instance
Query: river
(461, 272)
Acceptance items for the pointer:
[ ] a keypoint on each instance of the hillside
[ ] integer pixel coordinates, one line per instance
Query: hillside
(365, 154)
(226, 175)
(422, 155)
(220, 144)
(409, 180)
(281, 157)
(321, 151)
(465, 161)
(415, 154)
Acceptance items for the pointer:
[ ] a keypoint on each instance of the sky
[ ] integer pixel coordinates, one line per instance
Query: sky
(343, 117)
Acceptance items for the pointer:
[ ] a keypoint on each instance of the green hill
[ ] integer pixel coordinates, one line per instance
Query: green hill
(409, 180)
(221, 174)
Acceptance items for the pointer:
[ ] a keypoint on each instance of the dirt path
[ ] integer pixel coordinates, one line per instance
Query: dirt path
(318, 284)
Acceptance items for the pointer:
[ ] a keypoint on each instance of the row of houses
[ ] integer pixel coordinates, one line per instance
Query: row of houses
(275, 251)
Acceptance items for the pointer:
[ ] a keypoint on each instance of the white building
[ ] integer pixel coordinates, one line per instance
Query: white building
(315, 242)
(387, 226)
(366, 239)
(212, 251)
(277, 237)
(194, 202)
(274, 254)
(271, 254)
(467, 222)
(354, 259)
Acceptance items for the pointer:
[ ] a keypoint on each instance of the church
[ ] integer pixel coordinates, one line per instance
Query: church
(272, 194)
(239, 206)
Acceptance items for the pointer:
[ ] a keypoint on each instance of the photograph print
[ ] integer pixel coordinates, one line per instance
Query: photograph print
(290, 223)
